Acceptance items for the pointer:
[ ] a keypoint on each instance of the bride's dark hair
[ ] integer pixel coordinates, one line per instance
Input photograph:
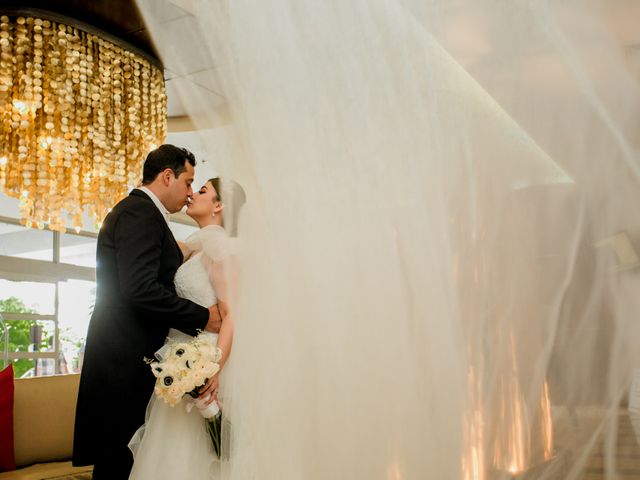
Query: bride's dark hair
(233, 197)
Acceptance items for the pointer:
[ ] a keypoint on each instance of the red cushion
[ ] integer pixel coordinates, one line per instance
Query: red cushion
(7, 460)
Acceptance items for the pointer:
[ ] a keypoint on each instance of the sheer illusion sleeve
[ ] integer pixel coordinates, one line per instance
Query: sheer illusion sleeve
(220, 258)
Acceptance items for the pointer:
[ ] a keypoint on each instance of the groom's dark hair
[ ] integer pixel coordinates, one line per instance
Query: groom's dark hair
(163, 157)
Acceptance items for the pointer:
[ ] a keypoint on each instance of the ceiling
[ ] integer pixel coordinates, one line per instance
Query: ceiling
(181, 31)
(120, 18)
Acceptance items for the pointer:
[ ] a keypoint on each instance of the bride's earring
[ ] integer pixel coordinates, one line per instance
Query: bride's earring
(213, 214)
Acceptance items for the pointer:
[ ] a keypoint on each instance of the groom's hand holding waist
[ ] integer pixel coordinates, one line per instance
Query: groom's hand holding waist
(215, 320)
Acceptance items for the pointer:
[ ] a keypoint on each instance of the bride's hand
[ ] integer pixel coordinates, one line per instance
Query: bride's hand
(210, 389)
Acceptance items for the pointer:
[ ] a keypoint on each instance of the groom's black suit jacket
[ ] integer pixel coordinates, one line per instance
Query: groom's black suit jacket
(136, 304)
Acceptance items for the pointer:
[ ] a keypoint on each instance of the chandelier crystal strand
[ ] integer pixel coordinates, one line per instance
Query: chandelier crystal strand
(77, 115)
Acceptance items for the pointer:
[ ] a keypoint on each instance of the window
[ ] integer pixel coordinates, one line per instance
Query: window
(19, 241)
(30, 297)
(76, 299)
(77, 249)
(29, 314)
(47, 290)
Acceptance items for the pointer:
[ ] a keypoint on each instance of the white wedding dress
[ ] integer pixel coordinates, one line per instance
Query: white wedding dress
(174, 443)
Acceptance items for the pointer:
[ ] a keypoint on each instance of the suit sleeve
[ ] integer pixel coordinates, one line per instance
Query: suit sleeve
(138, 241)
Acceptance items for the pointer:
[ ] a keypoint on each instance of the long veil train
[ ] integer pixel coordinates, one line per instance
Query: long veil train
(441, 273)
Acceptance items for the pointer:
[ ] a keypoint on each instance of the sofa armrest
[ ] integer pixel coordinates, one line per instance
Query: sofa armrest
(49, 471)
(43, 418)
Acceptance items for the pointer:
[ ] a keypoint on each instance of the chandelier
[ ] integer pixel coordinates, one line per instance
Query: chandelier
(78, 114)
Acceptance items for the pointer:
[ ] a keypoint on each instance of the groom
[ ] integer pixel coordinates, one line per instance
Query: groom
(136, 304)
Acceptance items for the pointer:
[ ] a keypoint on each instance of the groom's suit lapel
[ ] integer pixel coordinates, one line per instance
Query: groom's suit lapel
(141, 194)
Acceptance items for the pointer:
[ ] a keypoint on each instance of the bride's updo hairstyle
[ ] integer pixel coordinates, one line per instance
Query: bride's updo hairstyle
(232, 195)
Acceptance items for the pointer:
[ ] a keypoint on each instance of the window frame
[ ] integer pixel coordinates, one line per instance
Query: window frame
(19, 269)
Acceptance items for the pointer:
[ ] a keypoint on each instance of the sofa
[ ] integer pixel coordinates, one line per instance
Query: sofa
(43, 416)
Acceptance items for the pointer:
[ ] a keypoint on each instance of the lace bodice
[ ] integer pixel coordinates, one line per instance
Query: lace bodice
(192, 282)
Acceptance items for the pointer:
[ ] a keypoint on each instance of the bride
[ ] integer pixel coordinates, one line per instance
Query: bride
(174, 443)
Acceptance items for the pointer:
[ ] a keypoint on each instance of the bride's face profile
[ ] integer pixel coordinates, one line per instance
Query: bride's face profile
(206, 202)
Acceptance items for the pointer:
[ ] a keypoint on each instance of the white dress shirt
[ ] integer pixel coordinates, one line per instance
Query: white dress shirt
(163, 210)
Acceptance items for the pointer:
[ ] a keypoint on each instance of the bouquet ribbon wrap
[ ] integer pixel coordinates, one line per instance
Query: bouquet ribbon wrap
(207, 411)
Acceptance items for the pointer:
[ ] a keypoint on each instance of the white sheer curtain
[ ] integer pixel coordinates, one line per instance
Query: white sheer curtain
(440, 278)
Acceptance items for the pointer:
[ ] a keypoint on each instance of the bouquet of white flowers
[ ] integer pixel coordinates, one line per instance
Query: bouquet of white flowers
(184, 367)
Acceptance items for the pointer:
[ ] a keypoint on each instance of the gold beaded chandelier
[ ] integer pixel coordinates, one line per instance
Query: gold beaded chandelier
(78, 114)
